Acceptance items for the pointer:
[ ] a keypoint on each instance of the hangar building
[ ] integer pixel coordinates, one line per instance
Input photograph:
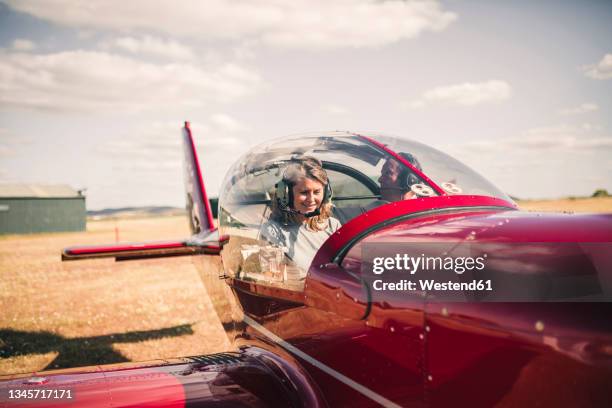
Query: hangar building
(28, 208)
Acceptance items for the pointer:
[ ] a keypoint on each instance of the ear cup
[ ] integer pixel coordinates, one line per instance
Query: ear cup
(407, 176)
(283, 194)
(410, 179)
(404, 178)
(328, 194)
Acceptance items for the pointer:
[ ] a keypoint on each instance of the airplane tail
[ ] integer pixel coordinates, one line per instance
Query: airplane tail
(205, 236)
(199, 211)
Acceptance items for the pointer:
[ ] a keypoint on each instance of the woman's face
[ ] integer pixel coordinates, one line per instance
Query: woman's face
(307, 195)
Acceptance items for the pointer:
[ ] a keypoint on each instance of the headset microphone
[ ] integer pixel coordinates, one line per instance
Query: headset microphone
(291, 211)
(312, 213)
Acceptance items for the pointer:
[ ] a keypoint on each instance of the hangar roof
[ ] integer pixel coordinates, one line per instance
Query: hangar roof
(38, 191)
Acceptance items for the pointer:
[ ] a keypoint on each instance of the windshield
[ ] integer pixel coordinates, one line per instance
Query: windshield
(359, 171)
(454, 177)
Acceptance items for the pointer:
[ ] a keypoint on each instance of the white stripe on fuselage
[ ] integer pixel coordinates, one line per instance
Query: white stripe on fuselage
(338, 376)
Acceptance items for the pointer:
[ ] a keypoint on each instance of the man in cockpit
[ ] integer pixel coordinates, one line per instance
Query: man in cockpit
(395, 181)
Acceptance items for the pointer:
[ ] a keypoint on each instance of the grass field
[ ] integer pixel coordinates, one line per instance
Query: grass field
(578, 205)
(55, 315)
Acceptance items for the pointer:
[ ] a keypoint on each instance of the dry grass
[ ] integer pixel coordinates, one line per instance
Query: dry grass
(62, 314)
(55, 314)
(577, 205)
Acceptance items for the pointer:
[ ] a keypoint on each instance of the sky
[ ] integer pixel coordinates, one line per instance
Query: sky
(93, 93)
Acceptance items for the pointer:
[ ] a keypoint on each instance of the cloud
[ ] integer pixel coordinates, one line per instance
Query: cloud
(152, 46)
(149, 157)
(601, 70)
(220, 122)
(314, 24)
(6, 151)
(561, 137)
(579, 110)
(551, 161)
(335, 109)
(21, 44)
(153, 151)
(466, 94)
(589, 126)
(85, 81)
(10, 143)
(159, 142)
(546, 138)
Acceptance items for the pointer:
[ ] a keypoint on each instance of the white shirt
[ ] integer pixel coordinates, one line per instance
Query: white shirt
(299, 243)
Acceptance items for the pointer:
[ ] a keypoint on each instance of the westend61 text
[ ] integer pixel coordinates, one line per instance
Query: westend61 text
(430, 284)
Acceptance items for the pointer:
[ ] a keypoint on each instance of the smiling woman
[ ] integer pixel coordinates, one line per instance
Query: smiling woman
(301, 212)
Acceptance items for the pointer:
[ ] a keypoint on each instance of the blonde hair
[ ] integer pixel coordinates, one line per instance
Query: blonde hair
(306, 167)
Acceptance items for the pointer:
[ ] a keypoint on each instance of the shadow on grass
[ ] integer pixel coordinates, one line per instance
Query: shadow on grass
(80, 351)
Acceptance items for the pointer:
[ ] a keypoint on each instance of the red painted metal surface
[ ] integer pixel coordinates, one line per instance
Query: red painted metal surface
(519, 354)
(128, 386)
(253, 378)
(141, 250)
(360, 225)
(479, 352)
(84, 250)
(473, 351)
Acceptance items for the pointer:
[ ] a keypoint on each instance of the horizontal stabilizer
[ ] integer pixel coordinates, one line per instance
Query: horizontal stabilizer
(203, 243)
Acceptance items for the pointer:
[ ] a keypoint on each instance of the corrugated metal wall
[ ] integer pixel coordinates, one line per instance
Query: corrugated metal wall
(27, 215)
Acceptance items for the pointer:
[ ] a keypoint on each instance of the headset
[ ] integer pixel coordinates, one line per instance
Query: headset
(284, 192)
(407, 177)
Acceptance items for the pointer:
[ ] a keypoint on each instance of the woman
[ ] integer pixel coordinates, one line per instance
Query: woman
(301, 212)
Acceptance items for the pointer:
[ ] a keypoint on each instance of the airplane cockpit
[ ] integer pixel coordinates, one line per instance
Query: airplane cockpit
(354, 164)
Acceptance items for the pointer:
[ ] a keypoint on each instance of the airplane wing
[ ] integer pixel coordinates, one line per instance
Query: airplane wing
(205, 238)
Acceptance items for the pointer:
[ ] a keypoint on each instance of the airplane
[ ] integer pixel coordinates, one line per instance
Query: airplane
(322, 335)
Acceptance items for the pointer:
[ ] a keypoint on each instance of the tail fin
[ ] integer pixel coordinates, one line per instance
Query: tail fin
(205, 238)
(198, 206)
